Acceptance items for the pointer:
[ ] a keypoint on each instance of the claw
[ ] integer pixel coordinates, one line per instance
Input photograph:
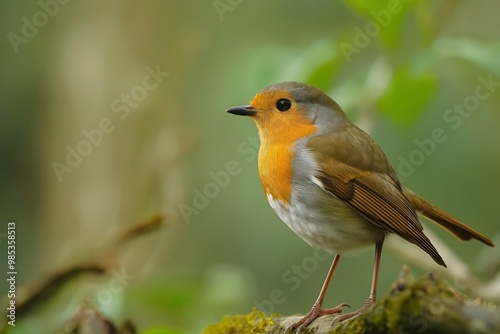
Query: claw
(313, 315)
(344, 305)
(354, 314)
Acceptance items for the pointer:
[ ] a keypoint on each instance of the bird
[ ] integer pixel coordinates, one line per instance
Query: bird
(334, 186)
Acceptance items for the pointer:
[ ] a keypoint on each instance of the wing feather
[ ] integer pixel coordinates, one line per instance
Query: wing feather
(354, 168)
(379, 201)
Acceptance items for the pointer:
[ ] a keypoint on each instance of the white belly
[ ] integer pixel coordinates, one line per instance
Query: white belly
(337, 229)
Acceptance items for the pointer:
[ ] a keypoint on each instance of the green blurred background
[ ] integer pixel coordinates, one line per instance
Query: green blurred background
(397, 68)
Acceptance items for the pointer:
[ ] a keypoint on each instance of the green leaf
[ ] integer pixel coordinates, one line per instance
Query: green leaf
(323, 75)
(385, 18)
(407, 96)
(318, 64)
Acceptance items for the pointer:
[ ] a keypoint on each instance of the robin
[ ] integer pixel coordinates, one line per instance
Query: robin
(333, 185)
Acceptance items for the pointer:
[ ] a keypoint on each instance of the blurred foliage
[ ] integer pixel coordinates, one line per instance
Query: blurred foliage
(407, 96)
(396, 67)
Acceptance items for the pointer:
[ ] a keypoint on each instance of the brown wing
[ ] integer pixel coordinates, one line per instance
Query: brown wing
(372, 189)
(354, 148)
(381, 204)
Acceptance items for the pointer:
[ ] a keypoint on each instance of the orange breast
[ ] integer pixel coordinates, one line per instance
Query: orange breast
(277, 152)
(275, 170)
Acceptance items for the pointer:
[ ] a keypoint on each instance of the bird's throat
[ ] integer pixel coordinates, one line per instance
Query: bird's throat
(278, 136)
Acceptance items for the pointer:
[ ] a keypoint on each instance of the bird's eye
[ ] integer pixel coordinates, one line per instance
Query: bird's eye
(283, 104)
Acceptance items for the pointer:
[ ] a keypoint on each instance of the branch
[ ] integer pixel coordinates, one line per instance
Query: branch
(428, 305)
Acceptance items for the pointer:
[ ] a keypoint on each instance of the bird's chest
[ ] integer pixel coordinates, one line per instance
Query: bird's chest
(276, 170)
(335, 228)
(319, 218)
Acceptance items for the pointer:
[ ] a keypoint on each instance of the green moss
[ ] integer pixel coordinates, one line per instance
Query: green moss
(254, 322)
(419, 301)
(428, 305)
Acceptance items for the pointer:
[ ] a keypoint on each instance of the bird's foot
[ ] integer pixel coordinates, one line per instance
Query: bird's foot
(315, 312)
(354, 314)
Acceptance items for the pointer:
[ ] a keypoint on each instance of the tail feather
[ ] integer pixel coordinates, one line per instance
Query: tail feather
(450, 223)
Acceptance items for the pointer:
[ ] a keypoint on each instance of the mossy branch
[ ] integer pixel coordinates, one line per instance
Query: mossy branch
(427, 305)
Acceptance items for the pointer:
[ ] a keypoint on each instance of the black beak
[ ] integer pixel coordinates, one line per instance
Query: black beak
(242, 110)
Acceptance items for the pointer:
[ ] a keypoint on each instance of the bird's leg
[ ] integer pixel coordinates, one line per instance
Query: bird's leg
(373, 290)
(316, 310)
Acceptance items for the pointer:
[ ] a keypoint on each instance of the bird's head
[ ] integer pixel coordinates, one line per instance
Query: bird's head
(288, 111)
